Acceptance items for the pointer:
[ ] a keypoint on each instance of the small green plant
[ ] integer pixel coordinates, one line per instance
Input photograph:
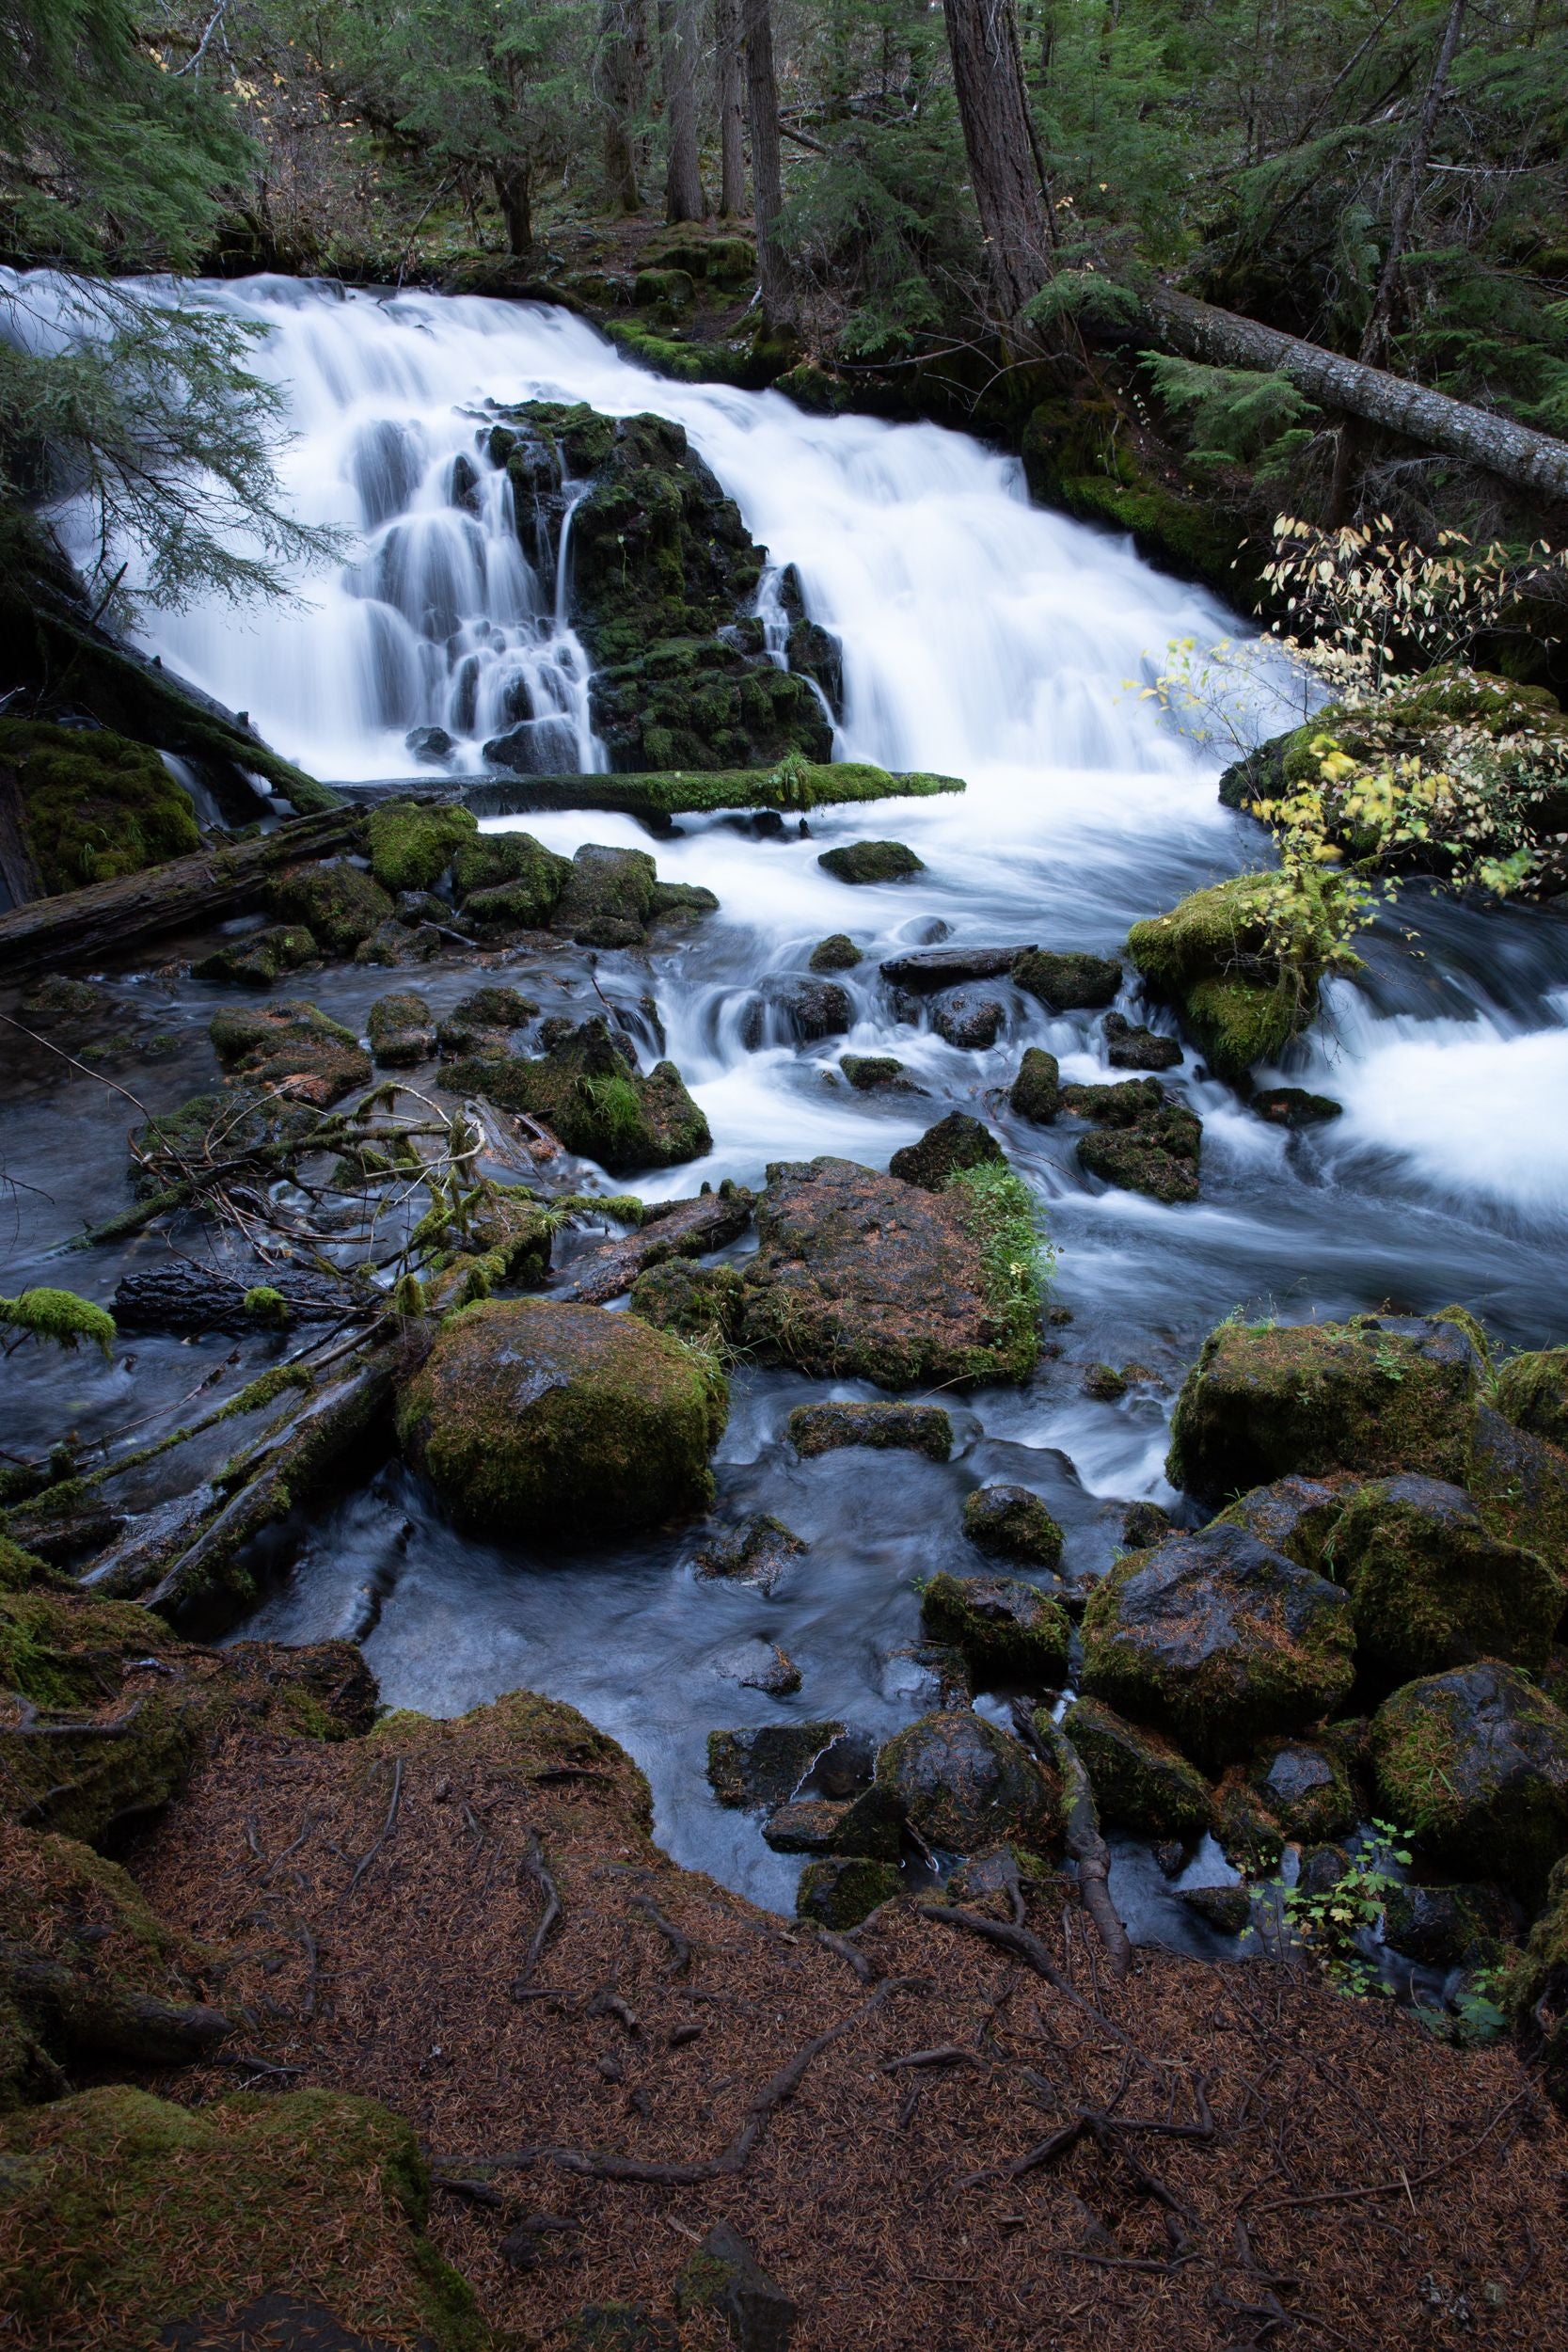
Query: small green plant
(1390, 1363)
(1003, 1218)
(1330, 1920)
(268, 1306)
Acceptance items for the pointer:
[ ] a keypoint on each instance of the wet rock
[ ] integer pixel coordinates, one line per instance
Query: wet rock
(293, 1050)
(928, 1675)
(1217, 1640)
(1429, 1587)
(59, 998)
(402, 1030)
(806, 1825)
(867, 1824)
(670, 1229)
(918, 1428)
(758, 1665)
(871, 862)
(1130, 1048)
(1144, 1143)
(1293, 1106)
(588, 1096)
(1213, 957)
(724, 2278)
(707, 704)
(815, 652)
(955, 1143)
(859, 1275)
(812, 1009)
(758, 1553)
(1531, 1392)
(970, 1022)
(483, 1019)
(841, 1890)
(1140, 1782)
(336, 901)
(1226, 1909)
(607, 898)
(878, 1073)
(1068, 983)
(261, 957)
(964, 1786)
(1449, 1927)
(1144, 1524)
(509, 879)
(1473, 1764)
(1322, 1867)
(700, 1302)
(1519, 1484)
(411, 843)
(1014, 1523)
(430, 743)
(940, 967)
(1249, 1837)
(765, 1764)
(1306, 1789)
(1296, 1515)
(1104, 1383)
(836, 953)
(1007, 1630)
(538, 1419)
(1374, 1394)
(1037, 1091)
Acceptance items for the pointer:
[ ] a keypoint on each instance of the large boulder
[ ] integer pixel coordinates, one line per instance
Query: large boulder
(1219, 1641)
(536, 1418)
(1531, 1390)
(964, 1786)
(336, 901)
(1474, 1765)
(1429, 1587)
(1376, 1394)
(591, 1096)
(1140, 1781)
(860, 1275)
(607, 898)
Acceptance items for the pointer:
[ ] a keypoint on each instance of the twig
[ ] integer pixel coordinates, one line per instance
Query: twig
(368, 1855)
(532, 1866)
(679, 1944)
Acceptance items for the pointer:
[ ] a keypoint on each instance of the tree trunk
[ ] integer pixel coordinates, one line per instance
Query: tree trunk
(18, 873)
(623, 73)
(999, 139)
(513, 195)
(677, 47)
(762, 90)
(732, 109)
(1477, 437)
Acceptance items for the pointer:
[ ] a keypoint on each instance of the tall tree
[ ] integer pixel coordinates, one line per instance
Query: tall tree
(620, 78)
(999, 139)
(732, 107)
(677, 44)
(774, 275)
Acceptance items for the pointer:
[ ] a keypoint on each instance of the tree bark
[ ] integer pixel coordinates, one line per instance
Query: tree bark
(732, 109)
(999, 139)
(677, 46)
(623, 74)
(513, 195)
(178, 1294)
(18, 873)
(774, 275)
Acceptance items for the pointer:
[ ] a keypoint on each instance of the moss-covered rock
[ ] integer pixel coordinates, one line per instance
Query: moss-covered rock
(402, 1030)
(915, 1428)
(1130, 1048)
(94, 804)
(509, 879)
(700, 1302)
(149, 2215)
(1094, 461)
(1451, 1927)
(293, 1049)
(1141, 1142)
(1036, 1093)
(1007, 1630)
(1218, 1641)
(878, 1073)
(607, 897)
(1376, 1394)
(1296, 1515)
(871, 862)
(1429, 1587)
(955, 1143)
(411, 844)
(1072, 981)
(704, 702)
(758, 1553)
(1531, 1390)
(765, 1764)
(261, 957)
(1473, 1764)
(1520, 1485)
(336, 901)
(481, 1021)
(1305, 1787)
(964, 1786)
(836, 953)
(1211, 957)
(1140, 1781)
(599, 1105)
(841, 1890)
(1013, 1523)
(1248, 1834)
(1535, 1990)
(532, 1418)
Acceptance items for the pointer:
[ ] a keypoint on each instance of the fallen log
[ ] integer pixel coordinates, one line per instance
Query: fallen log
(180, 1296)
(105, 918)
(677, 1229)
(658, 796)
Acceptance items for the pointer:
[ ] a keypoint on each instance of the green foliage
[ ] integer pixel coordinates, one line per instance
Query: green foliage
(58, 1315)
(1003, 1218)
(95, 806)
(267, 1304)
(1084, 298)
(1331, 1923)
(1232, 415)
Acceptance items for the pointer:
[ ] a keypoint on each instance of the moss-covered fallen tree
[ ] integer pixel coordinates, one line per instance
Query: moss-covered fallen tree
(794, 785)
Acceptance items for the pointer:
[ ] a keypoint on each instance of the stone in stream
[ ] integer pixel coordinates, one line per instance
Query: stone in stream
(919, 1428)
(1293, 1106)
(402, 1030)
(1218, 1641)
(1226, 1909)
(861, 1275)
(1431, 1587)
(1473, 1764)
(1013, 1523)
(336, 901)
(836, 953)
(293, 1049)
(670, 1229)
(1531, 1392)
(536, 1418)
(867, 1822)
(758, 1665)
(412, 845)
(1306, 1789)
(1129, 1048)
(1296, 1515)
(1213, 957)
(871, 862)
(1007, 1630)
(1451, 1927)
(261, 957)
(765, 1764)
(758, 1553)
(1144, 1524)
(841, 1890)
(1036, 1091)
(812, 1009)
(941, 967)
(1143, 1143)
(1140, 1781)
(598, 1104)
(964, 1786)
(955, 1143)
(607, 898)
(1075, 982)
(878, 1073)
(970, 1022)
(509, 879)
(482, 1019)
(700, 1302)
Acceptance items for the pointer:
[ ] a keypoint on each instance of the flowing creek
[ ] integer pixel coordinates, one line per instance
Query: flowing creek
(982, 637)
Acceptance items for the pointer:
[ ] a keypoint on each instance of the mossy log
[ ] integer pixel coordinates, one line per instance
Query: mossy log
(81, 926)
(1081, 1831)
(657, 796)
(180, 1296)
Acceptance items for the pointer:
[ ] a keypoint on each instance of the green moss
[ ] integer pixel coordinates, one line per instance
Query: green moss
(514, 877)
(1531, 1390)
(1036, 1091)
(60, 1316)
(94, 804)
(1431, 1588)
(1140, 1781)
(411, 846)
(836, 953)
(267, 1304)
(590, 1097)
(684, 363)
(1210, 955)
(871, 862)
(1005, 1631)
(841, 1890)
(698, 1302)
(293, 1046)
(1001, 1215)
(335, 900)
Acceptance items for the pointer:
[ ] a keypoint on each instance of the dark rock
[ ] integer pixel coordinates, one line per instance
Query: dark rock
(940, 967)
(608, 901)
(1304, 1788)
(1068, 983)
(969, 1022)
(1217, 1640)
(1127, 1048)
(402, 1030)
(964, 1786)
(758, 1553)
(1226, 1909)
(758, 1665)
(1014, 1523)
(1322, 1867)
(431, 743)
(1293, 1106)
(336, 901)
(1473, 1764)
(1429, 1587)
(703, 704)
(598, 1107)
(766, 1764)
(1141, 1783)
(871, 862)
(1144, 1143)
(806, 1825)
(955, 1143)
(700, 1302)
(812, 1009)
(260, 959)
(1104, 1383)
(841, 1890)
(670, 1229)
(1007, 1631)
(1449, 1927)
(1037, 1091)
(1520, 1484)
(846, 1766)
(878, 1073)
(1296, 1515)
(1144, 1524)
(293, 1050)
(815, 652)
(724, 2276)
(1531, 1392)
(836, 953)
(486, 1017)
(919, 1428)
(1247, 1832)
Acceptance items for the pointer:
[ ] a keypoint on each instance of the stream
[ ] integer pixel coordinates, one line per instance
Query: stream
(982, 637)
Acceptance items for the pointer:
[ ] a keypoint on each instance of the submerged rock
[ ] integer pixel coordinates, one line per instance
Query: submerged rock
(1473, 1764)
(535, 1419)
(759, 1552)
(1014, 1523)
(955, 1143)
(483, 1020)
(1293, 1106)
(871, 862)
(964, 1786)
(765, 1764)
(758, 1665)
(918, 1428)
(1140, 1781)
(1007, 1630)
(970, 1022)
(1429, 1587)
(812, 1009)
(293, 1050)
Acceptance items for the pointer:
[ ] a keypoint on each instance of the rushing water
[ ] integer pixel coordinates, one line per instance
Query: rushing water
(988, 639)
